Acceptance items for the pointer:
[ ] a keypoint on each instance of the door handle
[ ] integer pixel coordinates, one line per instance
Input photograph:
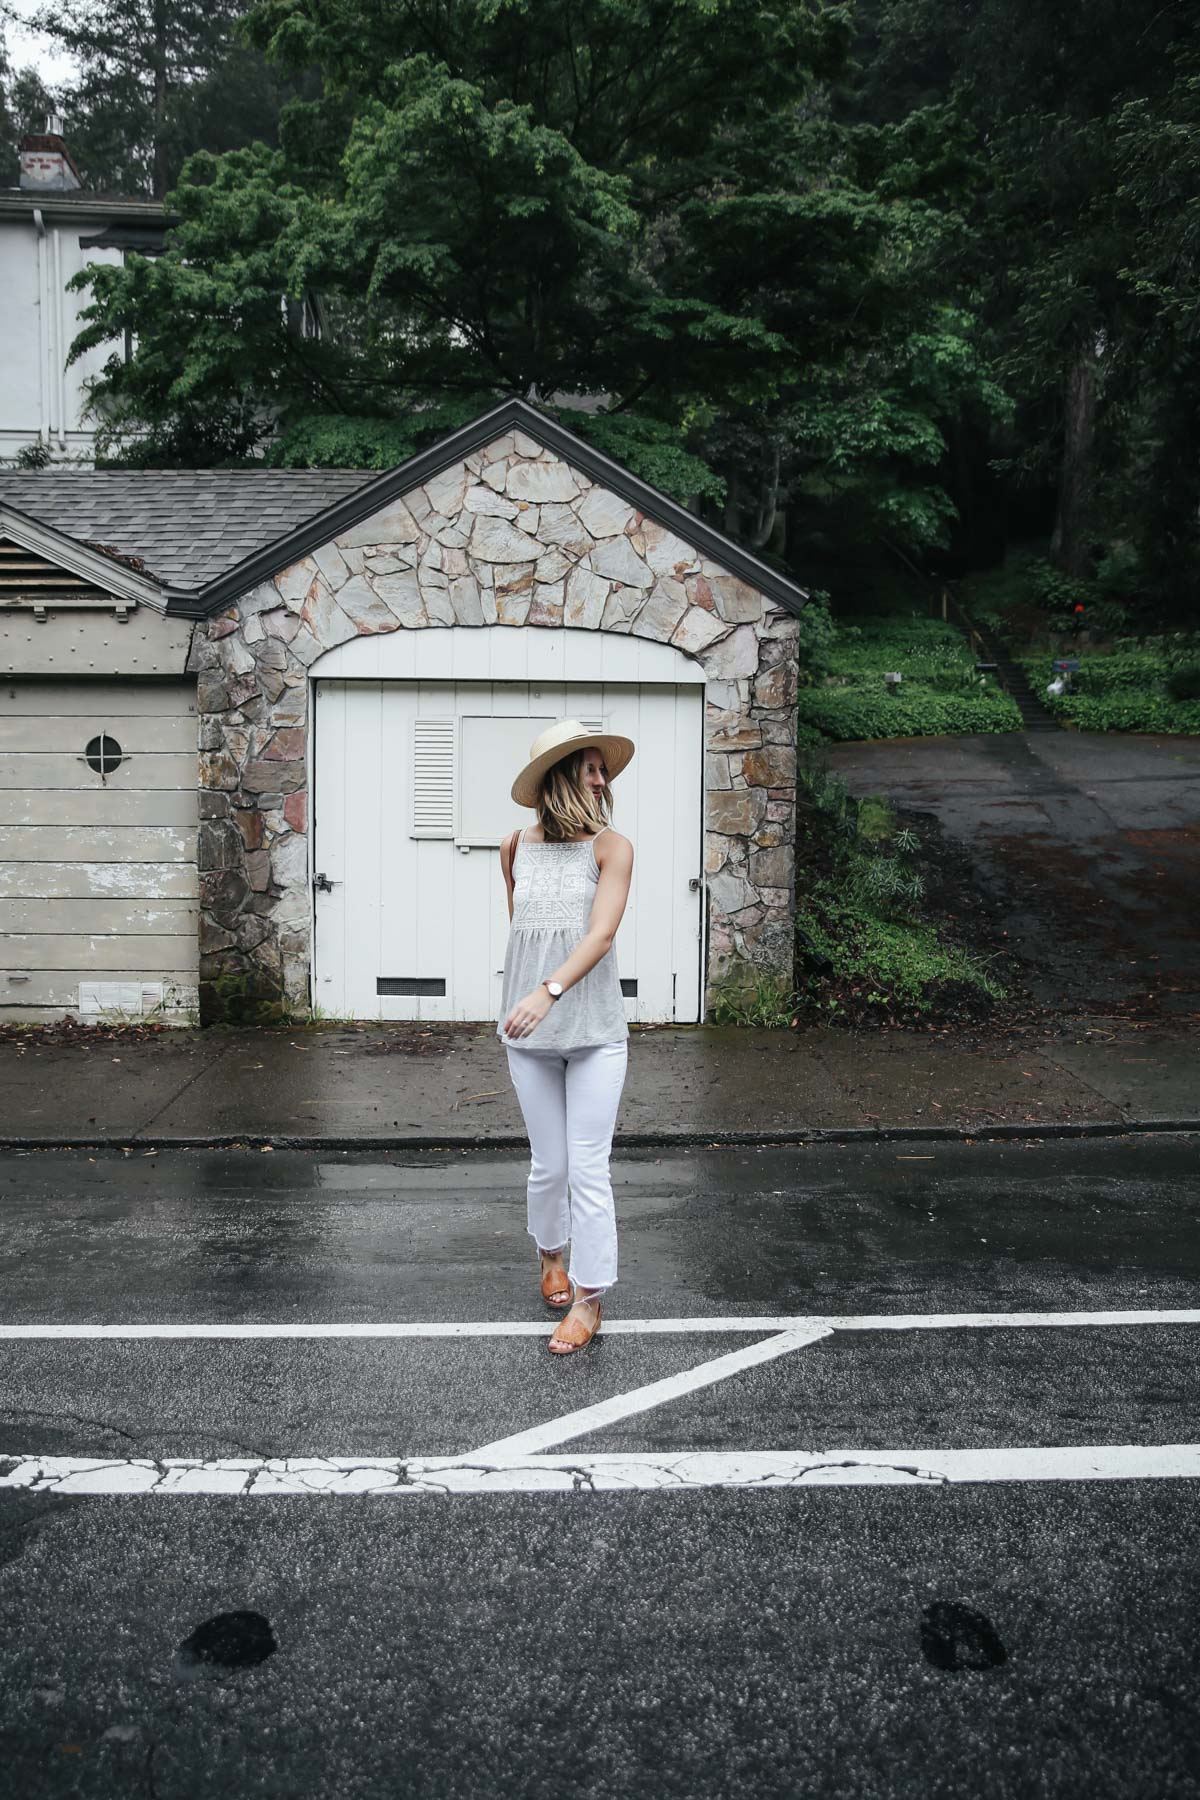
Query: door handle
(695, 883)
(323, 884)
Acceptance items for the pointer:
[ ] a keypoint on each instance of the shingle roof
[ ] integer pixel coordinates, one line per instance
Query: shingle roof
(188, 525)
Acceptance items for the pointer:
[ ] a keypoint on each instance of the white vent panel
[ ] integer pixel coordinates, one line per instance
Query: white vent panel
(120, 996)
(433, 778)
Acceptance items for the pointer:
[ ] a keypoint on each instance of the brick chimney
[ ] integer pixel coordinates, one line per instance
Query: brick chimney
(46, 165)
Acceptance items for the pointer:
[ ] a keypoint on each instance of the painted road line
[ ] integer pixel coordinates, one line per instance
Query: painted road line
(741, 1322)
(642, 1399)
(688, 1472)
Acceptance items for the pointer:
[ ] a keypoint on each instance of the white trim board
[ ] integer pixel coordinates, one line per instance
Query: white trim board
(489, 653)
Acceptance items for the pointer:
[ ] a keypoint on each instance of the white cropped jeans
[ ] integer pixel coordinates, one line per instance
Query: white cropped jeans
(569, 1101)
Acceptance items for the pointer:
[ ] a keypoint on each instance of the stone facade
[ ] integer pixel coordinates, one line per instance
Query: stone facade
(510, 537)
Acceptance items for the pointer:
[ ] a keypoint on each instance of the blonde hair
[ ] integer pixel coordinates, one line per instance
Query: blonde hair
(565, 807)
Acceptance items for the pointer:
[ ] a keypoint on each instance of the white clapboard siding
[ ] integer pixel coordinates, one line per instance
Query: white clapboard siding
(143, 771)
(108, 701)
(67, 950)
(97, 843)
(98, 876)
(48, 993)
(418, 909)
(134, 881)
(23, 733)
(107, 805)
(89, 914)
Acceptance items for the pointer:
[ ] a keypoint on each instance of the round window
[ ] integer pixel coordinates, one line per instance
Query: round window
(103, 754)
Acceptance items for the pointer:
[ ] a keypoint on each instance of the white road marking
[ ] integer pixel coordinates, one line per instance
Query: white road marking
(474, 1328)
(513, 1465)
(687, 1472)
(638, 1400)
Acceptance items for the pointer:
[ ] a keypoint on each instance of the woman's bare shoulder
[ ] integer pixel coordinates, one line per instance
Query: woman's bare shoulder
(612, 843)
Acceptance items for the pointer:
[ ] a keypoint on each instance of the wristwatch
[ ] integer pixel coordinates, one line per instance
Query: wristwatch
(554, 989)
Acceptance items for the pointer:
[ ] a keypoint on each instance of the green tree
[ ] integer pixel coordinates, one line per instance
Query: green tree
(1046, 89)
(1156, 385)
(645, 200)
(157, 80)
(24, 102)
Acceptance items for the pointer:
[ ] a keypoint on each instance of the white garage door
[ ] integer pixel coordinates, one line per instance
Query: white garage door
(98, 817)
(412, 799)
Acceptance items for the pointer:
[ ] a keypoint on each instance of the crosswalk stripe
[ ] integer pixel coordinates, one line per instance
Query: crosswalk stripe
(731, 1324)
(676, 1472)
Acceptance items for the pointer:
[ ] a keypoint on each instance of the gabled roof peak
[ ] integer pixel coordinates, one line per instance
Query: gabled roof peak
(202, 530)
(511, 414)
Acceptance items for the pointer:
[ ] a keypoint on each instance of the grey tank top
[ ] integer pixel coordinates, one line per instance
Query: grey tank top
(553, 889)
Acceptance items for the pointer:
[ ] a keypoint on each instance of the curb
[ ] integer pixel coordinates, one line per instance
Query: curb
(634, 1140)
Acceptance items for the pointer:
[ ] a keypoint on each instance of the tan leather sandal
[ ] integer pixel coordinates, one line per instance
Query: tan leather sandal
(556, 1287)
(574, 1332)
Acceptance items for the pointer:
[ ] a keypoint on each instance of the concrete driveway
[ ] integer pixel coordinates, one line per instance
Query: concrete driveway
(1088, 844)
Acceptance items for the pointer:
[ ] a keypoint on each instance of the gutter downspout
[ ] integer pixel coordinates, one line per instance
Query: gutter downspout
(60, 360)
(43, 347)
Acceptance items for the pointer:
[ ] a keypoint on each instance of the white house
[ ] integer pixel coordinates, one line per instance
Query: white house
(51, 226)
(257, 728)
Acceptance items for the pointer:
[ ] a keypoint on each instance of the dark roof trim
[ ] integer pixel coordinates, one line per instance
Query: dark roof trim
(80, 203)
(511, 414)
(119, 236)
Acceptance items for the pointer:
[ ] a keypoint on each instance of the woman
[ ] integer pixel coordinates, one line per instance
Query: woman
(562, 1015)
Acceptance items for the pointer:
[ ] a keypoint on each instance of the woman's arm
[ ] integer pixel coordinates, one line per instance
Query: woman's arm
(615, 863)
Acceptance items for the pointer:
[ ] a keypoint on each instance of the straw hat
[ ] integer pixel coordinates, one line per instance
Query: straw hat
(558, 740)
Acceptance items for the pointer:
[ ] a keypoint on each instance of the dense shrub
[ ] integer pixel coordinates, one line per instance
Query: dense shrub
(1147, 684)
(941, 691)
(1184, 684)
(1127, 709)
(898, 960)
(869, 948)
(918, 647)
(916, 711)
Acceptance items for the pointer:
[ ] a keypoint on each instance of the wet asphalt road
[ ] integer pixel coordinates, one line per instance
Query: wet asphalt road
(692, 1642)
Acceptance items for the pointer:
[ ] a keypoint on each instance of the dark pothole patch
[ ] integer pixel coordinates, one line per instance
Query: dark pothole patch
(226, 1642)
(954, 1637)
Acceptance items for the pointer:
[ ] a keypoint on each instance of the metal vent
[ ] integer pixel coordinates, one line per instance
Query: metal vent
(629, 988)
(104, 754)
(26, 577)
(432, 985)
(433, 778)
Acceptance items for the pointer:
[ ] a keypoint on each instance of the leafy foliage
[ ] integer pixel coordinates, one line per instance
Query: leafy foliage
(154, 83)
(1148, 684)
(1082, 242)
(867, 947)
(940, 689)
(650, 202)
(918, 711)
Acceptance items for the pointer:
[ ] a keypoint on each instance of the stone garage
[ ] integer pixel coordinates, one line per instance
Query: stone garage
(368, 658)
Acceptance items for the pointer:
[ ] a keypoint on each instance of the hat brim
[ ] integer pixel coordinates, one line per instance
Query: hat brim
(617, 752)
